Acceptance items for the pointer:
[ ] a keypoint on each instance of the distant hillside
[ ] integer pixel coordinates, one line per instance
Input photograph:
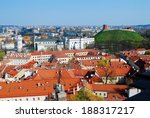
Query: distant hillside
(117, 36)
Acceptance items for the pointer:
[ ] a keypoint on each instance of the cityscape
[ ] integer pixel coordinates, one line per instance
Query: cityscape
(79, 61)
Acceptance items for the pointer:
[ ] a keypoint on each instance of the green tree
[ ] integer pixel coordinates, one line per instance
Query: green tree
(105, 64)
(86, 95)
(2, 54)
(147, 52)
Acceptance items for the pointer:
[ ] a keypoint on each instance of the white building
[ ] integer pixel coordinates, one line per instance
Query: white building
(44, 44)
(79, 43)
(41, 56)
(19, 43)
(8, 46)
(26, 98)
(17, 58)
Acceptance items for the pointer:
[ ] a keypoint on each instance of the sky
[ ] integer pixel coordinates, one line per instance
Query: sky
(74, 12)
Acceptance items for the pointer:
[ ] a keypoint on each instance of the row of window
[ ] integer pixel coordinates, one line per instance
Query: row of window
(42, 56)
(102, 94)
(27, 99)
(46, 42)
(87, 42)
(85, 58)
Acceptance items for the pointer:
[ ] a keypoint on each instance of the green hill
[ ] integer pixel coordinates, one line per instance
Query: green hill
(117, 36)
(117, 40)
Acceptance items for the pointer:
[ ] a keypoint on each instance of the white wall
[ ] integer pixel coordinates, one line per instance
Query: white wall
(18, 61)
(44, 45)
(79, 43)
(27, 98)
(41, 58)
(133, 91)
(8, 46)
(101, 93)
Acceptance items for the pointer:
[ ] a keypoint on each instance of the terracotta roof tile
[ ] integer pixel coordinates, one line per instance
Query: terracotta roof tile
(13, 72)
(113, 71)
(41, 53)
(115, 97)
(95, 79)
(34, 87)
(106, 87)
(28, 64)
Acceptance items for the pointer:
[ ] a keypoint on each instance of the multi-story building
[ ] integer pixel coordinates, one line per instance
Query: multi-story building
(79, 43)
(44, 44)
(41, 56)
(17, 58)
(8, 46)
(19, 43)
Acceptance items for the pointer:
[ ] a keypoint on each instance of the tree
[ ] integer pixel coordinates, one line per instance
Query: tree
(2, 54)
(107, 71)
(86, 95)
(103, 63)
(147, 52)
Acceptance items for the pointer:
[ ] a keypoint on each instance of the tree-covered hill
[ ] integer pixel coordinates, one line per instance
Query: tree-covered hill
(118, 35)
(116, 40)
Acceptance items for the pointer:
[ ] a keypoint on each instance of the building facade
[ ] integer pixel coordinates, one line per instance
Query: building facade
(79, 43)
(44, 44)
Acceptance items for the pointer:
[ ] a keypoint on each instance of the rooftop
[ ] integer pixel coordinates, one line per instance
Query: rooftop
(106, 87)
(46, 40)
(34, 87)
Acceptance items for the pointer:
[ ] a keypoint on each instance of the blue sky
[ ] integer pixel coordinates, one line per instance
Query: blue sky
(74, 12)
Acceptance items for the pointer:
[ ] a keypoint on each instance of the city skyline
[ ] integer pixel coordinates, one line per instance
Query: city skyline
(74, 12)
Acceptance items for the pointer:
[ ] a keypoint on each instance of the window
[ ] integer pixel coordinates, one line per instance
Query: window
(105, 95)
(27, 99)
(33, 99)
(46, 98)
(38, 98)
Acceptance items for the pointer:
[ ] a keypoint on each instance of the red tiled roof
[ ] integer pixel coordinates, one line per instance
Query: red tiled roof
(54, 73)
(46, 74)
(34, 87)
(9, 68)
(113, 71)
(48, 64)
(28, 64)
(117, 63)
(89, 62)
(40, 53)
(109, 57)
(115, 97)
(13, 72)
(80, 72)
(106, 87)
(95, 79)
